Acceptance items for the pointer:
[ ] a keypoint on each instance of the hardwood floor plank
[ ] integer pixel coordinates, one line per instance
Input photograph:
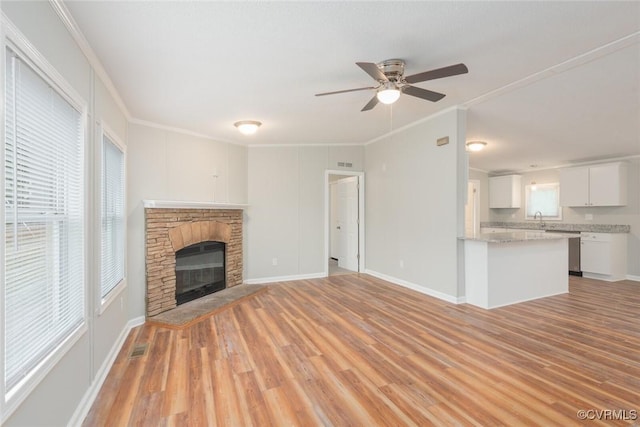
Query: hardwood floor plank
(356, 350)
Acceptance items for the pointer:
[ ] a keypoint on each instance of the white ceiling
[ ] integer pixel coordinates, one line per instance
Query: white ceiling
(549, 82)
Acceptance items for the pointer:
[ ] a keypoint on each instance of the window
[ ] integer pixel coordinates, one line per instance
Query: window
(112, 216)
(543, 198)
(44, 262)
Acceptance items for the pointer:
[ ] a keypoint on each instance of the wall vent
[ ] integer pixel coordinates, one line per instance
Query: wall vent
(348, 165)
(341, 164)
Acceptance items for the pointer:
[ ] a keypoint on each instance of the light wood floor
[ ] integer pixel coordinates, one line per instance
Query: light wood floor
(354, 350)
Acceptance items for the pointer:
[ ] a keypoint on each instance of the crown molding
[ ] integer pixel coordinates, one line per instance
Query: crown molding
(576, 61)
(65, 16)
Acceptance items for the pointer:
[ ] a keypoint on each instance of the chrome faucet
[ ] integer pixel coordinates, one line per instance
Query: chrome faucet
(535, 215)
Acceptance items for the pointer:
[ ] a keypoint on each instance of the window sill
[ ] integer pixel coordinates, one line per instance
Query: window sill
(112, 296)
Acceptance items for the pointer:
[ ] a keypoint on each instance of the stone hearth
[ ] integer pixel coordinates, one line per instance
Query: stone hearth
(171, 229)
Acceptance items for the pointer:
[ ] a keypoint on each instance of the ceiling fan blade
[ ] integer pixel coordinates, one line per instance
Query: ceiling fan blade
(373, 70)
(451, 70)
(423, 93)
(344, 91)
(372, 103)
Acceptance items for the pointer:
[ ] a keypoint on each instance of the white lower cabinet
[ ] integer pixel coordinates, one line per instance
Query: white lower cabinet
(603, 255)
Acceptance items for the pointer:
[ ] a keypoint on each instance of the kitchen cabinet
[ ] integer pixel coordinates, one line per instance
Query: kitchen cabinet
(504, 191)
(595, 185)
(603, 255)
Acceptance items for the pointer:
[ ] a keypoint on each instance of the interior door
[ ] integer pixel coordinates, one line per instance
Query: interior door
(348, 223)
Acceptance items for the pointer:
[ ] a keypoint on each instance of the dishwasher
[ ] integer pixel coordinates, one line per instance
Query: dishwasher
(574, 251)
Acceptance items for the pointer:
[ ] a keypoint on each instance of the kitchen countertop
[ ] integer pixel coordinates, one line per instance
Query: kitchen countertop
(517, 236)
(553, 226)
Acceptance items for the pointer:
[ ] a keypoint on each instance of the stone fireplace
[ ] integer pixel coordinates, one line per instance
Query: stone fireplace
(171, 229)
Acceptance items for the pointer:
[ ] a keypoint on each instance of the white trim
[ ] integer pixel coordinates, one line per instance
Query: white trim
(92, 392)
(554, 70)
(570, 165)
(416, 123)
(182, 131)
(478, 170)
(603, 277)
(18, 42)
(361, 217)
(422, 289)
(65, 16)
(328, 144)
(275, 279)
(633, 277)
(178, 204)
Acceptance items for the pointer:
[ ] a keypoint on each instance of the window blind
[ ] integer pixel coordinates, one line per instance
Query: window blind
(44, 226)
(112, 216)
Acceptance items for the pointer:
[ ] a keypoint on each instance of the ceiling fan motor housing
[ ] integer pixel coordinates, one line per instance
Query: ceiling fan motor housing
(392, 68)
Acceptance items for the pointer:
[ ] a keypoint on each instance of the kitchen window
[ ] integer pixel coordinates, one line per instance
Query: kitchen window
(543, 198)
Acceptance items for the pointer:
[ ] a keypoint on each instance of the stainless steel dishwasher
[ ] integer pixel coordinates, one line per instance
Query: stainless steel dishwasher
(574, 251)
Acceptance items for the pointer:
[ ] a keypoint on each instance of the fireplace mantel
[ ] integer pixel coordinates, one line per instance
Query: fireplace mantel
(179, 204)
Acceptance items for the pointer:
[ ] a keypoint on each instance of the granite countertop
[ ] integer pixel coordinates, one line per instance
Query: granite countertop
(517, 236)
(553, 226)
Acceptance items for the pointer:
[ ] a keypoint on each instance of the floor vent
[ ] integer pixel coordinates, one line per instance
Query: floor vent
(139, 350)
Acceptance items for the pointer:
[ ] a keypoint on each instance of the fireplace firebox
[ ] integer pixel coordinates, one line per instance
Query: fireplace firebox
(200, 271)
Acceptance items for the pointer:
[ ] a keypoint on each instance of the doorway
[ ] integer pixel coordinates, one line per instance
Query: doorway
(344, 222)
(471, 209)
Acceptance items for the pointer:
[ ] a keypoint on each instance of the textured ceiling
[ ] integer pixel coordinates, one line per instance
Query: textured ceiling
(201, 66)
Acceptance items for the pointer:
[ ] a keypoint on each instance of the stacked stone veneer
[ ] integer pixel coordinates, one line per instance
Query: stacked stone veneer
(169, 230)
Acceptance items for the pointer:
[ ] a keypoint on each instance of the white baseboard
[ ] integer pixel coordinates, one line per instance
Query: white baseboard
(263, 280)
(421, 289)
(90, 396)
(633, 277)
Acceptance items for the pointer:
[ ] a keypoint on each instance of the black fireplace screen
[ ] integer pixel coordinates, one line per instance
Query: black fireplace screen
(200, 270)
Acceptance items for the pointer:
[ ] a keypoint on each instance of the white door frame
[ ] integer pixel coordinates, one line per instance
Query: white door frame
(476, 205)
(360, 176)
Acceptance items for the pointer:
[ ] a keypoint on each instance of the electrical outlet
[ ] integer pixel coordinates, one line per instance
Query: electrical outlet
(588, 217)
(274, 261)
(401, 263)
(384, 167)
(513, 215)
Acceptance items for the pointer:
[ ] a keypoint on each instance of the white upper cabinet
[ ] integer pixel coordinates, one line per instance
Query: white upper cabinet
(504, 191)
(597, 185)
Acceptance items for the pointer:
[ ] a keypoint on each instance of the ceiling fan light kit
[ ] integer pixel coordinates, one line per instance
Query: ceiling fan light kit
(391, 82)
(388, 94)
(247, 127)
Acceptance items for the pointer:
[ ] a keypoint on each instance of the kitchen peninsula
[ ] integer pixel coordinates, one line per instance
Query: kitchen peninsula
(511, 267)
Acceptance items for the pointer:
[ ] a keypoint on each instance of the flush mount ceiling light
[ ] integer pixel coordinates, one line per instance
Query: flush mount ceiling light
(389, 93)
(476, 145)
(247, 127)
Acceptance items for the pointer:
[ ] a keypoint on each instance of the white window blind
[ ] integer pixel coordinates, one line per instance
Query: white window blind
(112, 216)
(44, 227)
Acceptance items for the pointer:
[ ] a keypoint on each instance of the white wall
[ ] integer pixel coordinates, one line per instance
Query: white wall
(626, 215)
(166, 165)
(285, 218)
(55, 399)
(415, 194)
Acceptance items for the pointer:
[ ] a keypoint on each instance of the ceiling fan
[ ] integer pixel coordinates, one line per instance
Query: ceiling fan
(392, 82)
